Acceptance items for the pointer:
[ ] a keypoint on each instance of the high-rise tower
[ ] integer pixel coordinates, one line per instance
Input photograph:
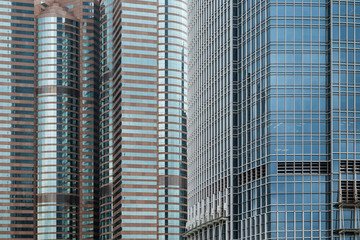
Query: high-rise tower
(143, 119)
(106, 121)
(66, 118)
(210, 120)
(49, 119)
(57, 180)
(17, 113)
(273, 119)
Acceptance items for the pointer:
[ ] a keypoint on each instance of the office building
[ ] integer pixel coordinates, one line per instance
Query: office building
(274, 128)
(93, 119)
(49, 127)
(67, 80)
(17, 114)
(143, 119)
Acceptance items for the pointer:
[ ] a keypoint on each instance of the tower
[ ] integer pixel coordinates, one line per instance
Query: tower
(17, 150)
(273, 113)
(66, 119)
(143, 119)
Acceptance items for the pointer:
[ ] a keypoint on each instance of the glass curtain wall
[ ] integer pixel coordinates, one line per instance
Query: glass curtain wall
(345, 114)
(57, 124)
(106, 121)
(67, 125)
(172, 103)
(282, 91)
(17, 152)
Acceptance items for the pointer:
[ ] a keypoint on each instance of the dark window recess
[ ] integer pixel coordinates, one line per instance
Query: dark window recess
(218, 186)
(350, 166)
(252, 175)
(349, 193)
(303, 168)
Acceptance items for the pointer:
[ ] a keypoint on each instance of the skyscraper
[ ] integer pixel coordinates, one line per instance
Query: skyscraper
(66, 117)
(210, 120)
(49, 119)
(274, 124)
(17, 144)
(143, 119)
(93, 119)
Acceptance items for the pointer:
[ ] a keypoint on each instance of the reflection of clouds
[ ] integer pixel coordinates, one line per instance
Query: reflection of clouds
(281, 150)
(298, 127)
(276, 125)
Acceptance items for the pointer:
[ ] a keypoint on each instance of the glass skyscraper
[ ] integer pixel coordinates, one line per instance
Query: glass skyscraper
(274, 128)
(48, 113)
(17, 113)
(67, 58)
(93, 119)
(143, 119)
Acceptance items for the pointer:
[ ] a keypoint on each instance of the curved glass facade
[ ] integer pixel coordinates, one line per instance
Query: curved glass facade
(57, 127)
(67, 127)
(144, 119)
(172, 106)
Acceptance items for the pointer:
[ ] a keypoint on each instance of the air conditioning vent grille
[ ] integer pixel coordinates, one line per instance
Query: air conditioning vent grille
(303, 168)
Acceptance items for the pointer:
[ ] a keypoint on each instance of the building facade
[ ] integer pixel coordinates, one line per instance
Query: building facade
(273, 115)
(143, 119)
(93, 119)
(49, 98)
(17, 114)
(67, 47)
(210, 120)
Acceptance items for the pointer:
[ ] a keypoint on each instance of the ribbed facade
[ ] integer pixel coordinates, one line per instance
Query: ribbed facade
(210, 120)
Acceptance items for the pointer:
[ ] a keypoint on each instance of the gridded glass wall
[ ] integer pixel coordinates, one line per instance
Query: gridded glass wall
(282, 125)
(345, 129)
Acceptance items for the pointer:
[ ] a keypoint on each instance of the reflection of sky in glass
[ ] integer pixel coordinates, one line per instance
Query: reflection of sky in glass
(58, 125)
(289, 89)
